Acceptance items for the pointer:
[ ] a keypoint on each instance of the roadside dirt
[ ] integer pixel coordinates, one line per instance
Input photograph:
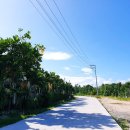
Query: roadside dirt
(118, 109)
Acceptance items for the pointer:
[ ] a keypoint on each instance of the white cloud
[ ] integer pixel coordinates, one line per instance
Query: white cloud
(87, 70)
(67, 68)
(82, 80)
(56, 56)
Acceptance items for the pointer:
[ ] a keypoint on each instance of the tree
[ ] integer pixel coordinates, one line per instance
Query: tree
(18, 59)
(24, 85)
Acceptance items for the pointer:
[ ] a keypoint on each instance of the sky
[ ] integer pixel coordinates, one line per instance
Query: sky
(101, 27)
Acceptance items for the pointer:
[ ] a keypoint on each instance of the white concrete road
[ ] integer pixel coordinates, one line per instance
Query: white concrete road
(84, 113)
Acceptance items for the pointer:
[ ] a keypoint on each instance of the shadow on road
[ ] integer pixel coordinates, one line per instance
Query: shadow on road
(67, 118)
(73, 119)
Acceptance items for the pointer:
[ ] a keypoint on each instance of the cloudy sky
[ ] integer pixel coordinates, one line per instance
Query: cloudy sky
(101, 30)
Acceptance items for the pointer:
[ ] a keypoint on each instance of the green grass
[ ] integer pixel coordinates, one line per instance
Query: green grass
(123, 123)
(9, 119)
(121, 98)
(14, 117)
(116, 98)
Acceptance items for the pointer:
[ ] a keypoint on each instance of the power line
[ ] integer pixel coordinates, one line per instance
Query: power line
(77, 49)
(66, 42)
(60, 32)
(44, 19)
(69, 28)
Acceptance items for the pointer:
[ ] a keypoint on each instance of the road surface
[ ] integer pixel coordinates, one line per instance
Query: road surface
(84, 113)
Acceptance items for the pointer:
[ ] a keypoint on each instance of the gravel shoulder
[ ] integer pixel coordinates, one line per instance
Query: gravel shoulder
(118, 109)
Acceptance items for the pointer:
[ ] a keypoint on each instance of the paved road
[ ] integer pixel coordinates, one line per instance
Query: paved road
(84, 113)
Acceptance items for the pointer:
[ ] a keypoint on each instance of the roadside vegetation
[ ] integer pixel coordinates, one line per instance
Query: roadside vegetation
(15, 116)
(121, 98)
(26, 88)
(123, 124)
(115, 90)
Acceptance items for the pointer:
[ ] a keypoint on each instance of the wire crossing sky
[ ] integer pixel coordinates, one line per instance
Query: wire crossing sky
(61, 31)
(75, 34)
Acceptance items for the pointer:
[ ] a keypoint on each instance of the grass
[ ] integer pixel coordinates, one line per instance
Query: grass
(9, 119)
(121, 98)
(116, 98)
(123, 123)
(15, 117)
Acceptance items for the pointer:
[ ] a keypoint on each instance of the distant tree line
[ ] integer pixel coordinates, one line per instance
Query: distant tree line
(114, 89)
(84, 90)
(24, 85)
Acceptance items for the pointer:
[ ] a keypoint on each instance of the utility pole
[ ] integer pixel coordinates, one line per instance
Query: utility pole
(93, 67)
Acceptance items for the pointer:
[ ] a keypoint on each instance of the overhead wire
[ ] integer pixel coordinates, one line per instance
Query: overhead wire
(42, 16)
(45, 19)
(71, 42)
(67, 25)
(66, 41)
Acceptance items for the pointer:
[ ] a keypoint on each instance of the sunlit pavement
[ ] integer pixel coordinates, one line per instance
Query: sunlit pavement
(84, 113)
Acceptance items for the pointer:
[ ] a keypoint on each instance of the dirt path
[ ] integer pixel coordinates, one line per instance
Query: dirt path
(84, 113)
(118, 109)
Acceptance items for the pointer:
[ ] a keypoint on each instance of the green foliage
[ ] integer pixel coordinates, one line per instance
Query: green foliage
(123, 124)
(115, 90)
(14, 116)
(118, 90)
(24, 85)
(84, 90)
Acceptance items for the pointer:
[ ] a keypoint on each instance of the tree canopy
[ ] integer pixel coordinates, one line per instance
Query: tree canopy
(24, 85)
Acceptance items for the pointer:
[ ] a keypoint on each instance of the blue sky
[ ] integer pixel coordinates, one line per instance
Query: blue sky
(102, 28)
